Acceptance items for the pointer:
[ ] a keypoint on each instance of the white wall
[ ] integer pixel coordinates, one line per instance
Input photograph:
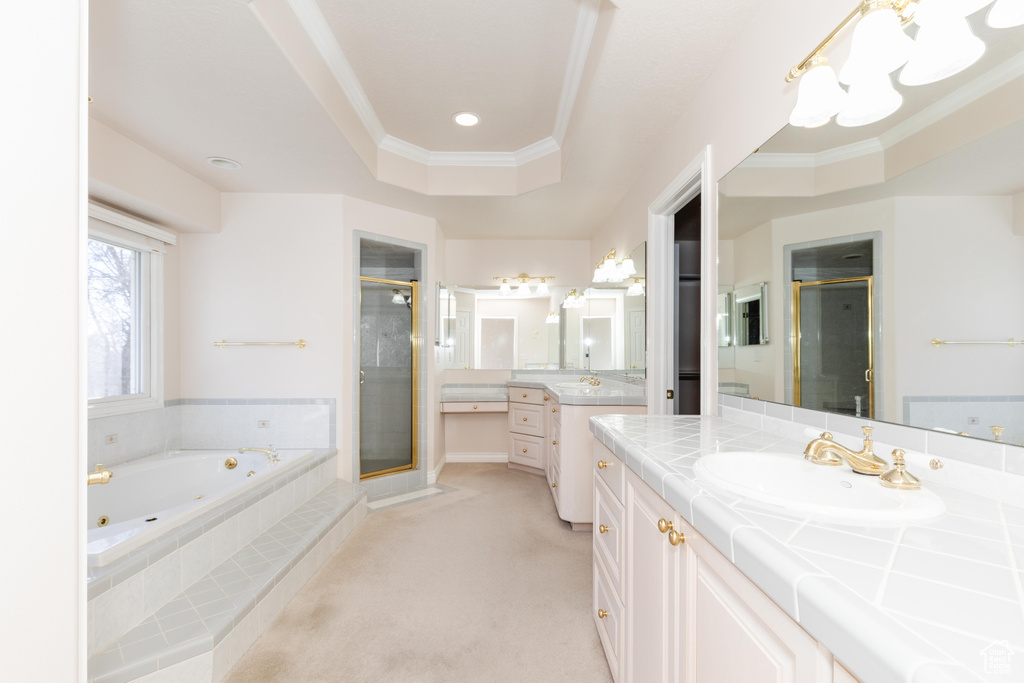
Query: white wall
(960, 277)
(42, 389)
(281, 270)
(477, 262)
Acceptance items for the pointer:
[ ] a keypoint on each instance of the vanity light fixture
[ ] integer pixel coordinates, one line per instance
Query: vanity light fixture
(608, 270)
(466, 118)
(398, 297)
(574, 299)
(552, 318)
(636, 289)
(944, 45)
(523, 289)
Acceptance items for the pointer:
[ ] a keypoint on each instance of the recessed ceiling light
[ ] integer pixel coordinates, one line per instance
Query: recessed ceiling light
(466, 118)
(223, 162)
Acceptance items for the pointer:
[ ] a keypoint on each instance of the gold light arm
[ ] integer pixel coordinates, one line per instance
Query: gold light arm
(523, 276)
(899, 6)
(223, 343)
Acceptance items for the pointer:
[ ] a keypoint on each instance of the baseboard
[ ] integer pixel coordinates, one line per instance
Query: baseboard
(435, 473)
(476, 457)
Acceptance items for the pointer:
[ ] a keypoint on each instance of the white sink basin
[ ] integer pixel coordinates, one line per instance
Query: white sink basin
(836, 493)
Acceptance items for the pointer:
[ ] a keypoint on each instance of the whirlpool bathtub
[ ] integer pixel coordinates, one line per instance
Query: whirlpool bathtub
(149, 497)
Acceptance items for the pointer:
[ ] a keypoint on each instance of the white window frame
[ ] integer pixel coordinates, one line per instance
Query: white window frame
(150, 241)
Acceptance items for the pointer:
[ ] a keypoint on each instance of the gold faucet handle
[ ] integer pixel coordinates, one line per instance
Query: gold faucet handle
(867, 432)
(898, 477)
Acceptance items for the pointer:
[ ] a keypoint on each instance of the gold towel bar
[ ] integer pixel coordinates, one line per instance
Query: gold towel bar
(222, 343)
(1008, 342)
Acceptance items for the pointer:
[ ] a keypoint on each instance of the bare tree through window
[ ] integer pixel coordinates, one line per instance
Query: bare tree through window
(113, 306)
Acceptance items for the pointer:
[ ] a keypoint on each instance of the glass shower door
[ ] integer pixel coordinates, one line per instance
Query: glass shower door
(833, 362)
(387, 376)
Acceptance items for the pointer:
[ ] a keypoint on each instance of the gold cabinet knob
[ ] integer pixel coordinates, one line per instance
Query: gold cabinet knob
(664, 525)
(554, 410)
(601, 614)
(554, 486)
(524, 395)
(554, 443)
(935, 464)
(601, 464)
(547, 398)
(603, 529)
(524, 419)
(524, 450)
(474, 407)
(675, 538)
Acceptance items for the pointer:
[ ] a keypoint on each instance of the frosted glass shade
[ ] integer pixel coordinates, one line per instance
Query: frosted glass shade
(945, 46)
(505, 289)
(635, 289)
(542, 289)
(628, 267)
(879, 47)
(600, 275)
(870, 100)
(524, 289)
(1006, 13)
(819, 97)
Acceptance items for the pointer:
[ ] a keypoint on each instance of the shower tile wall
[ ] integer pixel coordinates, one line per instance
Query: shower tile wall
(213, 423)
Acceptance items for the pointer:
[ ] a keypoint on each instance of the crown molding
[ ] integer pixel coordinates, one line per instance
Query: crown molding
(539, 149)
(316, 27)
(582, 37)
(419, 155)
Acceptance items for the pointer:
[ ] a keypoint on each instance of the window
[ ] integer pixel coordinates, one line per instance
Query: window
(124, 311)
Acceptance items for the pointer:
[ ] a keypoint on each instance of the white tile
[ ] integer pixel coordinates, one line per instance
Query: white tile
(870, 551)
(225, 540)
(199, 668)
(270, 511)
(860, 578)
(161, 582)
(985, 578)
(115, 612)
(970, 547)
(196, 559)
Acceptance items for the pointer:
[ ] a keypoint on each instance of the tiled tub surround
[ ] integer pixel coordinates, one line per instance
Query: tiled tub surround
(133, 587)
(202, 631)
(149, 497)
(955, 413)
(923, 603)
(199, 423)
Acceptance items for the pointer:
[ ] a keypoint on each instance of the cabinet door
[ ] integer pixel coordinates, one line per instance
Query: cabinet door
(741, 635)
(655, 593)
(526, 450)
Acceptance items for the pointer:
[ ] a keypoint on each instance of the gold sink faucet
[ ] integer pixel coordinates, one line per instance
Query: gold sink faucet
(594, 381)
(271, 452)
(100, 476)
(825, 451)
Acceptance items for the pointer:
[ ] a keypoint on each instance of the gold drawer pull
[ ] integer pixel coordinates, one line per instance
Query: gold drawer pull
(554, 486)
(554, 443)
(601, 614)
(675, 538)
(524, 450)
(554, 410)
(603, 529)
(547, 398)
(601, 464)
(524, 419)
(474, 407)
(664, 525)
(524, 395)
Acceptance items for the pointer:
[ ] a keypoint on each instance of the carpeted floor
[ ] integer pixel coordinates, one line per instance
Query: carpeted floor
(481, 584)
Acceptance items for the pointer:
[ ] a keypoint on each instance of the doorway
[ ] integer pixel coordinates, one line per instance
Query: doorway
(388, 318)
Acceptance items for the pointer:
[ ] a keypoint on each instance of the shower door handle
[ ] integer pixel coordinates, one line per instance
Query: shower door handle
(362, 376)
(867, 375)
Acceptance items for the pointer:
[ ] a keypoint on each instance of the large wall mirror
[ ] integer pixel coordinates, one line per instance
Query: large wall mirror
(881, 243)
(589, 327)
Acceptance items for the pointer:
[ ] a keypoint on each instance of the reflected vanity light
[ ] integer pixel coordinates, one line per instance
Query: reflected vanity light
(552, 318)
(523, 289)
(944, 46)
(398, 298)
(574, 299)
(636, 289)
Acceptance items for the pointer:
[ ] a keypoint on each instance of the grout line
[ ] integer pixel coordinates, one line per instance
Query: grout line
(889, 567)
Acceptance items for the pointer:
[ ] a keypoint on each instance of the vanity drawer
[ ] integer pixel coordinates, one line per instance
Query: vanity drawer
(481, 407)
(526, 450)
(525, 419)
(609, 616)
(524, 395)
(609, 541)
(610, 470)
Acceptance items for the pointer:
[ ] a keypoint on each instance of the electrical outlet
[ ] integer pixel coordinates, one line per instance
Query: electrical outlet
(972, 420)
(263, 424)
(109, 439)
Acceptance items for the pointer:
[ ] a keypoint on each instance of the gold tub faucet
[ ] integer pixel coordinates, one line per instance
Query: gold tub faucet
(271, 452)
(825, 451)
(100, 476)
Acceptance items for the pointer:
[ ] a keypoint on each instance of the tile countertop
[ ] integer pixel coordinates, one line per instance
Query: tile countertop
(568, 390)
(927, 602)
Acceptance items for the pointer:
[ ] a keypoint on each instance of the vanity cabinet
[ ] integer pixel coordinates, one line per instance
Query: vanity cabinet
(679, 610)
(527, 429)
